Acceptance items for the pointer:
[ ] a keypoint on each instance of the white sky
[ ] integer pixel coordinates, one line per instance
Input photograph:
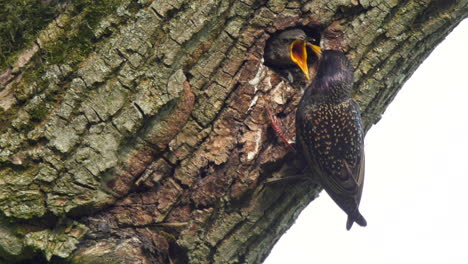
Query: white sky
(415, 197)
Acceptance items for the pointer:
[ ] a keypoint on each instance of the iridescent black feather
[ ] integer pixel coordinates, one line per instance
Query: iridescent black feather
(330, 133)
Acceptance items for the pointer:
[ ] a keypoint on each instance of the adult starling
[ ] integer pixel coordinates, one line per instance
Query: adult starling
(288, 50)
(330, 135)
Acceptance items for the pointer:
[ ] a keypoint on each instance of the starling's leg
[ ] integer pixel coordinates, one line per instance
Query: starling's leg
(304, 175)
(292, 178)
(275, 123)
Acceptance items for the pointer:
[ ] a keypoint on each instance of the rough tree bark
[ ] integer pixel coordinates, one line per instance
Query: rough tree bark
(135, 131)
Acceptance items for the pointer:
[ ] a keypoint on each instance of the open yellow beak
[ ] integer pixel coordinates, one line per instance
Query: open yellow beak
(316, 49)
(298, 54)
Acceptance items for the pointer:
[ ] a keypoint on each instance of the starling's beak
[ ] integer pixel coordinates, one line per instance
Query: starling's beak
(298, 54)
(315, 49)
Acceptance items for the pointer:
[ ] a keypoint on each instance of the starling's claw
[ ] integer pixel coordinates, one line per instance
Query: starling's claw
(298, 177)
(275, 123)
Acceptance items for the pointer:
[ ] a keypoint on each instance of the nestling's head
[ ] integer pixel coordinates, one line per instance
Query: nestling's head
(291, 48)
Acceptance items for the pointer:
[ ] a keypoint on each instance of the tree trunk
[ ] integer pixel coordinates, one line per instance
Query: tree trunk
(135, 131)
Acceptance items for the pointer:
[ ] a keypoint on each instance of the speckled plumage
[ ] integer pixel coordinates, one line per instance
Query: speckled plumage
(330, 134)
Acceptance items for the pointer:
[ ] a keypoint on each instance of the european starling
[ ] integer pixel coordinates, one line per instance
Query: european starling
(330, 135)
(287, 50)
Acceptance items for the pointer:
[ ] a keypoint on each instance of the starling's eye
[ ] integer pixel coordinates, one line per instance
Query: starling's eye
(286, 41)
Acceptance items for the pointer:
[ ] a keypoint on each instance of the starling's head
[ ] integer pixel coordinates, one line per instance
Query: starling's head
(291, 48)
(335, 72)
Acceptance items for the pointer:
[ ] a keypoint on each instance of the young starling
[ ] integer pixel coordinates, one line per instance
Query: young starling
(288, 50)
(330, 135)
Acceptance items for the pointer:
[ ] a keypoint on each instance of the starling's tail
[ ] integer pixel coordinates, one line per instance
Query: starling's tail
(356, 217)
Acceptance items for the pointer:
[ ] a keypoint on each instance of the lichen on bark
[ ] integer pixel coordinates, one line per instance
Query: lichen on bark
(143, 121)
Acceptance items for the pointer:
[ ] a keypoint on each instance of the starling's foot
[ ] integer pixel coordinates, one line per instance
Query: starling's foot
(173, 224)
(276, 125)
(293, 178)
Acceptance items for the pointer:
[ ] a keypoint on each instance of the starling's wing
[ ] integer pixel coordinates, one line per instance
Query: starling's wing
(345, 178)
(360, 175)
(359, 168)
(344, 162)
(356, 175)
(341, 165)
(351, 207)
(304, 114)
(332, 143)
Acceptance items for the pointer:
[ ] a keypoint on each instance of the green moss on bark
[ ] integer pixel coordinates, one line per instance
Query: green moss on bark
(19, 23)
(81, 37)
